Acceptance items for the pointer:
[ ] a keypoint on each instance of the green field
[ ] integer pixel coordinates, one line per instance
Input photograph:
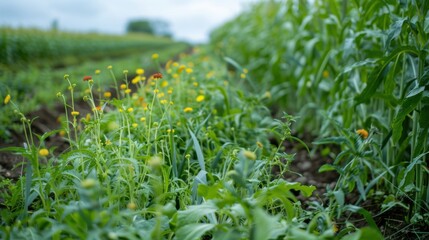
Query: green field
(206, 144)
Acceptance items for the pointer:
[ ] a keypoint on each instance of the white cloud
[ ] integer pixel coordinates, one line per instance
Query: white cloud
(190, 20)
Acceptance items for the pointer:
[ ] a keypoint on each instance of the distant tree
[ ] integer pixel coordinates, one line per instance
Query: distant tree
(151, 26)
(140, 26)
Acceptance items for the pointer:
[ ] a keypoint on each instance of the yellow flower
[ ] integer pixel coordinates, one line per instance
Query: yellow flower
(123, 86)
(109, 67)
(200, 98)
(155, 56)
(97, 71)
(7, 99)
(164, 83)
(189, 70)
(163, 101)
(107, 94)
(135, 125)
(188, 109)
(130, 109)
(142, 119)
(249, 155)
(243, 75)
(325, 74)
(139, 71)
(245, 70)
(136, 80)
(363, 133)
(43, 152)
(170, 130)
(75, 113)
(131, 206)
(88, 183)
(127, 90)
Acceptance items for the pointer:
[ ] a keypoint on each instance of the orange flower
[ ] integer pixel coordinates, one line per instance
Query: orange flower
(363, 133)
(87, 78)
(157, 75)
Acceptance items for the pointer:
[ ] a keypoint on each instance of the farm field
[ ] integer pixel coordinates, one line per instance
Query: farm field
(298, 120)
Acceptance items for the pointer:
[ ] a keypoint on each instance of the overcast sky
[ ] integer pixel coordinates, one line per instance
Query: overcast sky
(189, 20)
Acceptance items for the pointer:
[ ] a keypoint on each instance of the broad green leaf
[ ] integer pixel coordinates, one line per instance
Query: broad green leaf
(327, 168)
(195, 212)
(416, 161)
(424, 117)
(265, 226)
(364, 234)
(408, 105)
(198, 150)
(378, 74)
(364, 213)
(193, 231)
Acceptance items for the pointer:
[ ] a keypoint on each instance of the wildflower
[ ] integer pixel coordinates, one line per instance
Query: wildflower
(164, 83)
(139, 71)
(130, 109)
(189, 70)
(157, 75)
(88, 183)
(245, 70)
(195, 84)
(109, 67)
(163, 101)
(188, 109)
(135, 125)
(97, 71)
(62, 133)
(7, 99)
(155, 56)
(131, 205)
(97, 108)
(363, 133)
(335, 228)
(259, 144)
(75, 113)
(200, 98)
(107, 94)
(170, 91)
(43, 152)
(249, 155)
(127, 91)
(243, 75)
(325, 74)
(87, 78)
(136, 80)
(170, 130)
(123, 86)
(142, 119)
(181, 68)
(108, 142)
